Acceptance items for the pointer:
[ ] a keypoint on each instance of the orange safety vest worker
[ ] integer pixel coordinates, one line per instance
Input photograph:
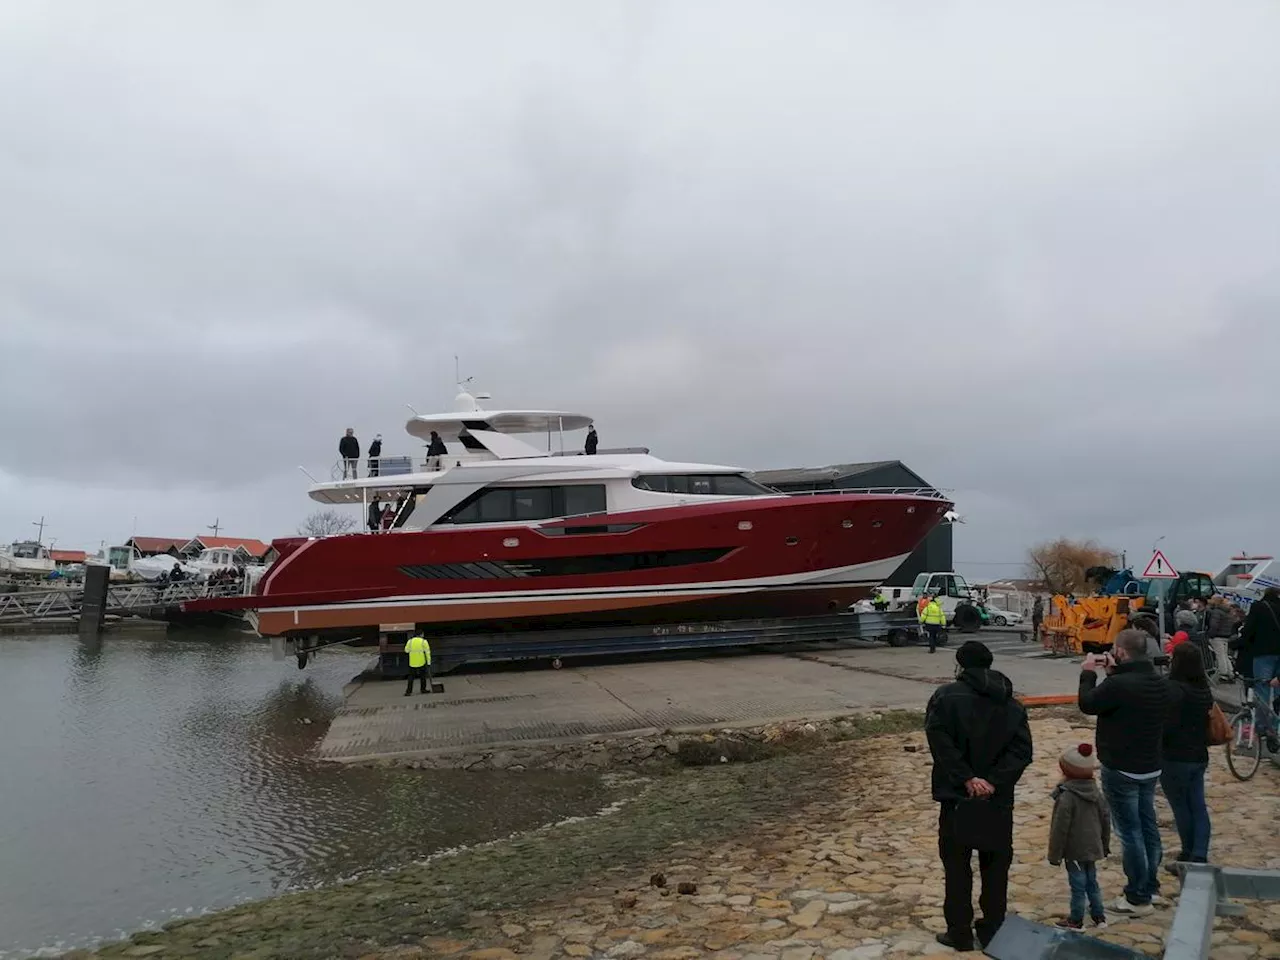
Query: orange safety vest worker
(419, 651)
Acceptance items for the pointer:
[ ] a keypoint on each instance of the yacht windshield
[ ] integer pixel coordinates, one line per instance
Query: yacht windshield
(702, 485)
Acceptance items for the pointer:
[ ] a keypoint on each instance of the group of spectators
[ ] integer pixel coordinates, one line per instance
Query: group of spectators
(1151, 729)
(349, 452)
(225, 577)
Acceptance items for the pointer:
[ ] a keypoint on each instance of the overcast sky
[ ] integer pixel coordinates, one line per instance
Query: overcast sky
(1032, 250)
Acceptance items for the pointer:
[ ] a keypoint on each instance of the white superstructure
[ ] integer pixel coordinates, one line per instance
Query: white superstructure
(483, 455)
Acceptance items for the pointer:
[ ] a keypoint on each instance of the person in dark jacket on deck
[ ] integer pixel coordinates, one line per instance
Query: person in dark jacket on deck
(593, 441)
(375, 452)
(1186, 753)
(981, 743)
(1080, 834)
(349, 451)
(1132, 706)
(1261, 653)
(435, 450)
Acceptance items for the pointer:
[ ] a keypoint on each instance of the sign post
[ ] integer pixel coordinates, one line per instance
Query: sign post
(1159, 568)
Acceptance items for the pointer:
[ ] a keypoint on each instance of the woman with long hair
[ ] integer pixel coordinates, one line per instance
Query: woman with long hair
(1186, 752)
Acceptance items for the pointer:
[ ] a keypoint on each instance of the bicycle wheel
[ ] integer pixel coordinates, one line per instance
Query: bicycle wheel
(1244, 750)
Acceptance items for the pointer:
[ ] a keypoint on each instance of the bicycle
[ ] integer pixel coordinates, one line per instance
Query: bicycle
(1245, 748)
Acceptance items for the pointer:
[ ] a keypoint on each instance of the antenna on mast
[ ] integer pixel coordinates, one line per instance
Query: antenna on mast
(215, 526)
(40, 533)
(457, 374)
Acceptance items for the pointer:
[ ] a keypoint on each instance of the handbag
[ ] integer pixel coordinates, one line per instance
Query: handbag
(1219, 728)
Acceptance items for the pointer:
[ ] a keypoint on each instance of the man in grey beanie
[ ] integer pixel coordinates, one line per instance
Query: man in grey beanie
(981, 743)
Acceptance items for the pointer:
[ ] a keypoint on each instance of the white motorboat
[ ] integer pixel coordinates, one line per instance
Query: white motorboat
(26, 558)
(161, 565)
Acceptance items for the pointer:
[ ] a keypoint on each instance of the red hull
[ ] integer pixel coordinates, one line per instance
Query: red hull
(730, 558)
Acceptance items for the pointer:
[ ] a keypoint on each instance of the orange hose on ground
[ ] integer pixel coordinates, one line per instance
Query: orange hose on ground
(1048, 700)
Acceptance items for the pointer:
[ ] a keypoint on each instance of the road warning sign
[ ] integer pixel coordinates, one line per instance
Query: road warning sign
(1159, 568)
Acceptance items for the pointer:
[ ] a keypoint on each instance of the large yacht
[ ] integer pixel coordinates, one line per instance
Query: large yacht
(499, 534)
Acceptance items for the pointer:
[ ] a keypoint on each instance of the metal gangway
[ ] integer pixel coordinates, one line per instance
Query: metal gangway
(122, 599)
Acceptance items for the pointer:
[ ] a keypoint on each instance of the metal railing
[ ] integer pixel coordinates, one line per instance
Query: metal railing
(54, 602)
(1206, 890)
(930, 493)
(390, 467)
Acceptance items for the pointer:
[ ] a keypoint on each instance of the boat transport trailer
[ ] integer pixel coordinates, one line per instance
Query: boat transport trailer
(555, 646)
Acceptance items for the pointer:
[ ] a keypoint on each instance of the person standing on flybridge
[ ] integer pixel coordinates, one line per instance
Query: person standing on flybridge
(349, 451)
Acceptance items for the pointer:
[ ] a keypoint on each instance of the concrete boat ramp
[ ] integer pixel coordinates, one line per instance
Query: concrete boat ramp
(493, 709)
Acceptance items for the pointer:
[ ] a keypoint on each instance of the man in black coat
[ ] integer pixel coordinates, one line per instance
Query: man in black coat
(435, 450)
(981, 743)
(375, 452)
(1132, 705)
(349, 451)
(593, 441)
(1261, 658)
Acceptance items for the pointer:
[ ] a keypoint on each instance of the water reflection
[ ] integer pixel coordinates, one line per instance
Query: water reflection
(150, 777)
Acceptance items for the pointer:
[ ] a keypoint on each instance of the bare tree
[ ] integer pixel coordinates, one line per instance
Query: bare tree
(1063, 564)
(326, 523)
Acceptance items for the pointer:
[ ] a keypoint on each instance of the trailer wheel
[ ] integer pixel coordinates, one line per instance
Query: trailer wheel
(899, 638)
(557, 663)
(302, 659)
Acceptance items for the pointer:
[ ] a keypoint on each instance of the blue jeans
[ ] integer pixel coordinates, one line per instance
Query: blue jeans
(1264, 668)
(1133, 815)
(1082, 877)
(1183, 785)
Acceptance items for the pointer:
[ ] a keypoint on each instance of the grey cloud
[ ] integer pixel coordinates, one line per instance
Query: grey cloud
(1032, 253)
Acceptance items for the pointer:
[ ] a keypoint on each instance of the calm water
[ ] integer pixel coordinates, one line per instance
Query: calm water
(154, 777)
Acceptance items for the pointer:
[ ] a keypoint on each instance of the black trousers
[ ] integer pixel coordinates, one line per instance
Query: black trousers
(421, 674)
(957, 866)
(934, 631)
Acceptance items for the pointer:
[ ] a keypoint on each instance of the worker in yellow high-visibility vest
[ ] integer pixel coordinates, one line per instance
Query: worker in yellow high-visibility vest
(933, 619)
(419, 652)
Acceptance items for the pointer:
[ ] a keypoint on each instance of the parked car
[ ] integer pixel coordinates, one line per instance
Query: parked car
(1003, 618)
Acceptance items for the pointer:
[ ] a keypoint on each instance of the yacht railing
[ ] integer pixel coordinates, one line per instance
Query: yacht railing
(365, 468)
(929, 493)
(616, 451)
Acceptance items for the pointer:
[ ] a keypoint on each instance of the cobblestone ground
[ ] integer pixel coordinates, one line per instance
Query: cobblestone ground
(855, 876)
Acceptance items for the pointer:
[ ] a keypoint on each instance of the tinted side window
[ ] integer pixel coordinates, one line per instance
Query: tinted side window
(532, 503)
(588, 498)
(733, 485)
(702, 485)
(507, 504)
(495, 505)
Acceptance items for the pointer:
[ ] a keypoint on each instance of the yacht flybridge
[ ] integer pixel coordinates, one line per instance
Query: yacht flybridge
(507, 530)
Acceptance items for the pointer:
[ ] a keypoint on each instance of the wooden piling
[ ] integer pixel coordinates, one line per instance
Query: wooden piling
(93, 608)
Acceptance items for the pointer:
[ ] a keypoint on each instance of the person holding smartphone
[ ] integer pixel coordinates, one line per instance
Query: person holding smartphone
(1132, 708)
